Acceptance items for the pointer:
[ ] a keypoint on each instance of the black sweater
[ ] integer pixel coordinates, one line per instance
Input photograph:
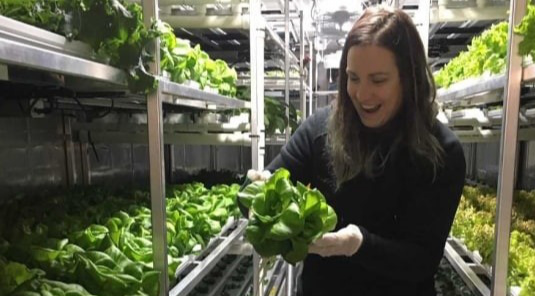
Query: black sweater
(404, 215)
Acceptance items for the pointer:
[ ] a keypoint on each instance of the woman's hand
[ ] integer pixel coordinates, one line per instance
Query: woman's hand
(344, 242)
(255, 175)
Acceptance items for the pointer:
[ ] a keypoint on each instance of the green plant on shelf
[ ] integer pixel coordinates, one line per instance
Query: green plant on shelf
(103, 240)
(474, 224)
(487, 52)
(527, 30)
(116, 32)
(184, 63)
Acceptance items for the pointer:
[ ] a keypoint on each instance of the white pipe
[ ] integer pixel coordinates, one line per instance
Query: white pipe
(207, 22)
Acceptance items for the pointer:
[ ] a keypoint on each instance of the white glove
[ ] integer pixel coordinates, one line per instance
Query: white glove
(344, 242)
(255, 175)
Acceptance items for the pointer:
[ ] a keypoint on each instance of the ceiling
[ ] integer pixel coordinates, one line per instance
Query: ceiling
(330, 20)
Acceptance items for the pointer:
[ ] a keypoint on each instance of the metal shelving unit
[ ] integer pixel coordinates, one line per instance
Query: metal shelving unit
(37, 49)
(176, 92)
(514, 128)
(272, 83)
(34, 49)
(481, 89)
(221, 283)
(472, 272)
(474, 91)
(461, 14)
(218, 249)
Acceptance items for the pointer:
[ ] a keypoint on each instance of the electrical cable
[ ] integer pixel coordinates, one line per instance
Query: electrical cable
(107, 112)
(89, 137)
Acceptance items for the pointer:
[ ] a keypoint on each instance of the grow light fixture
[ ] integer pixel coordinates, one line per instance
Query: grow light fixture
(187, 32)
(219, 9)
(218, 31)
(183, 9)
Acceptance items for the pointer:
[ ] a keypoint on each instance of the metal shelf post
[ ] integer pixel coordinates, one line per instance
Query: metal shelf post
(508, 153)
(257, 34)
(302, 93)
(310, 74)
(287, 64)
(156, 158)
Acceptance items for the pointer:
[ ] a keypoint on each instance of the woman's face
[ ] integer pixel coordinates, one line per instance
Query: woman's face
(373, 84)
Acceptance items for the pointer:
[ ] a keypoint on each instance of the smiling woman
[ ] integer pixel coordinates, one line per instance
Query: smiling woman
(386, 77)
(392, 173)
(377, 95)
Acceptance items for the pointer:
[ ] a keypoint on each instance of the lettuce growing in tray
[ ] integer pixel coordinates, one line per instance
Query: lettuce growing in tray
(285, 219)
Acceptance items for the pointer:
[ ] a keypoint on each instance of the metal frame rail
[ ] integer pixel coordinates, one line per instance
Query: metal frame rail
(33, 48)
(202, 268)
(471, 273)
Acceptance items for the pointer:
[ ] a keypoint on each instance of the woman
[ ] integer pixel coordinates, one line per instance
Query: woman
(390, 170)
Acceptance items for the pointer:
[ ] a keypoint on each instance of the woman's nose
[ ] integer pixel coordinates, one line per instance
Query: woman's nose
(363, 93)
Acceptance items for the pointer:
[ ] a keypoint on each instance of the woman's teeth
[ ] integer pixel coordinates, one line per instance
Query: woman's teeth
(370, 108)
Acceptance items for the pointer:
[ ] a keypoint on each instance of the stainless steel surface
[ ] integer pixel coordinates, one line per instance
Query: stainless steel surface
(228, 157)
(68, 148)
(246, 285)
(257, 33)
(508, 153)
(33, 57)
(287, 65)
(275, 278)
(422, 21)
(130, 125)
(31, 153)
(316, 73)
(197, 2)
(133, 102)
(480, 135)
(325, 93)
(529, 73)
(527, 167)
(4, 72)
(156, 157)
(277, 40)
(228, 139)
(113, 166)
(310, 75)
(272, 83)
(471, 88)
(290, 280)
(85, 163)
(465, 271)
(442, 15)
(215, 291)
(258, 286)
(302, 69)
(31, 35)
(201, 22)
(213, 242)
(204, 267)
(184, 92)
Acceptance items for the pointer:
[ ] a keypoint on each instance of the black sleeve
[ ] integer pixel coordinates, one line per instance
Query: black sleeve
(424, 224)
(297, 154)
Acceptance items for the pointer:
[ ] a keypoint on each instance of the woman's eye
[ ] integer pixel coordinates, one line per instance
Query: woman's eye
(379, 81)
(353, 79)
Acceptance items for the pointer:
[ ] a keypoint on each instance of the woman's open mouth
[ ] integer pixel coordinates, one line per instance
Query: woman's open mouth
(370, 108)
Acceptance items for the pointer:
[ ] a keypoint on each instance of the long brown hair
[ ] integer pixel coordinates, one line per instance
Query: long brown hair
(351, 154)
